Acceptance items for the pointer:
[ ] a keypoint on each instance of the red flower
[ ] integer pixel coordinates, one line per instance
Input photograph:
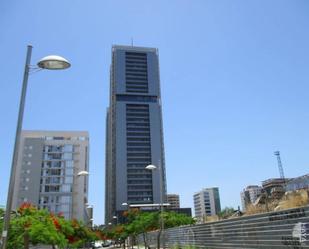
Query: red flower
(27, 224)
(26, 207)
(71, 239)
(75, 223)
(56, 224)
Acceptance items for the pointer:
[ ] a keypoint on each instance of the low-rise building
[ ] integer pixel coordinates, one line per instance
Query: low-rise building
(275, 187)
(249, 195)
(297, 183)
(206, 203)
(173, 200)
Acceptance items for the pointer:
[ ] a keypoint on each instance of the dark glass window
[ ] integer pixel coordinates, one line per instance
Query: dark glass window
(136, 98)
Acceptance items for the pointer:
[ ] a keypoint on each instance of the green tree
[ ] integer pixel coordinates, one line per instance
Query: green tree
(38, 226)
(226, 212)
(173, 219)
(143, 222)
(33, 226)
(1, 219)
(1, 213)
(80, 234)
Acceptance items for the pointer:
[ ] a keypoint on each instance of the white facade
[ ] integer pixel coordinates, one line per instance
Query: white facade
(249, 195)
(206, 203)
(47, 172)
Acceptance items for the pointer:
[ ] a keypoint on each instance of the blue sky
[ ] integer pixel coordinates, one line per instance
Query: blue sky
(234, 79)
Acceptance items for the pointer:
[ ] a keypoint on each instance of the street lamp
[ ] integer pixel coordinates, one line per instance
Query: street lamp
(159, 168)
(116, 218)
(87, 207)
(51, 62)
(83, 173)
(89, 211)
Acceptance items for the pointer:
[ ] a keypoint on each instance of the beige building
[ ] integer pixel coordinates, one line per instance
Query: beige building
(173, 200)
(52, 171)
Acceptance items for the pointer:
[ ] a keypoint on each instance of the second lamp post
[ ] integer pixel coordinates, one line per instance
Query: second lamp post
(159, 168)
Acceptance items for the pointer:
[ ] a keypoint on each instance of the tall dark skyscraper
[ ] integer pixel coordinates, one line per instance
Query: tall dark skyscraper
(134, 132)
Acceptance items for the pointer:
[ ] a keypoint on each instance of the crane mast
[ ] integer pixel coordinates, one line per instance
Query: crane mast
(277, 154)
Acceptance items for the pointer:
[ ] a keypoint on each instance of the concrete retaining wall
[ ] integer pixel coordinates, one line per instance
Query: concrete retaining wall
(281, 229)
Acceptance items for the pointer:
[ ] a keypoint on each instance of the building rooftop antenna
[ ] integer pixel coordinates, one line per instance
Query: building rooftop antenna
(277, 154)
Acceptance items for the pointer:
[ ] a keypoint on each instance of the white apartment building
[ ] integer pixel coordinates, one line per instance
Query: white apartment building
(47, 175)
(249, 195)
(206, 203)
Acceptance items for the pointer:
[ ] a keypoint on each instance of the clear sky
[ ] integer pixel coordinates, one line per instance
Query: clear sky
(234, 79)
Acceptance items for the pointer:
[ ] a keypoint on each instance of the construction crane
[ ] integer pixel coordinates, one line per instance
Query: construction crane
(277, 154)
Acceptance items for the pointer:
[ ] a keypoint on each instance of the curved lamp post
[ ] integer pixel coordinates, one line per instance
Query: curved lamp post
(52, 62)
(152, 168)
(83, 173)
(89, 209)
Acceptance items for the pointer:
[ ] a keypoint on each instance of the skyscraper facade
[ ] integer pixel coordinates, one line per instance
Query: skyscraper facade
(47, 172)
(206, 203)
(134, 133)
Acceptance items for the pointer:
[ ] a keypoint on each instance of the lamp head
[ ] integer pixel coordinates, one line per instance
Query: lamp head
(53, 62)
(83, 173)
(151, 167)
